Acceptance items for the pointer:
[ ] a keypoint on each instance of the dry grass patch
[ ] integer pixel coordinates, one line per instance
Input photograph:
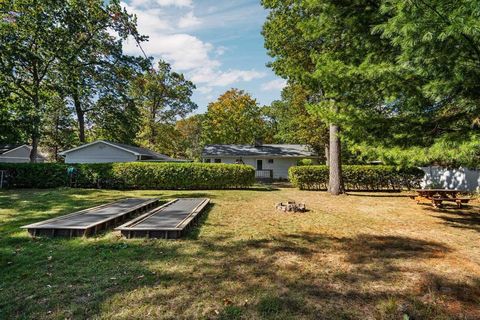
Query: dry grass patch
(358, 256)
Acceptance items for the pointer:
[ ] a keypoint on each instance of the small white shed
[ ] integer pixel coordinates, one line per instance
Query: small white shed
(269, 160)
(102, 151)
(18, 154)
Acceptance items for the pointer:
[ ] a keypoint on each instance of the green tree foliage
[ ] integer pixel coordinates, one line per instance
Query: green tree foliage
(162, 96)
(328, 47)
(64, 48)
(401, 75)
(292, 122)
(437, 42)
(58, 129)
(32, 38)
(189, 136)
(234, 118)
(94, 71)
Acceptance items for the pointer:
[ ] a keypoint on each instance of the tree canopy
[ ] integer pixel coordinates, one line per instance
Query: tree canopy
(402, 75)
(234, 118)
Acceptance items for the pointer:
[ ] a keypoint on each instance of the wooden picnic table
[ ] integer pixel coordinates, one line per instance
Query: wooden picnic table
(438, 196)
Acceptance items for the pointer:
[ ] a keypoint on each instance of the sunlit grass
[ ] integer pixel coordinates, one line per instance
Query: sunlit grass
(350, 257)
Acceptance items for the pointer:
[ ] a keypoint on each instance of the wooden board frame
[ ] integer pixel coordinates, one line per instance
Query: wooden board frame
(129, 229)
(49, 229)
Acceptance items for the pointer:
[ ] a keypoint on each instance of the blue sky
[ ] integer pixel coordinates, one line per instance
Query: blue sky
(216, 44)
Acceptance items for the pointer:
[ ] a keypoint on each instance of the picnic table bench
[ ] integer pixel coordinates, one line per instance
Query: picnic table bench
(438, 196)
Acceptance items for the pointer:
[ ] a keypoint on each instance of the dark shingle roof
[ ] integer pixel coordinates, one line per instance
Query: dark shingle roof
(277, 150)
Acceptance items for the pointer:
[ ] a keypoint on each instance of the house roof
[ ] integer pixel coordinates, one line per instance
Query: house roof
(6, 148)
(274, 150)
(138, 151)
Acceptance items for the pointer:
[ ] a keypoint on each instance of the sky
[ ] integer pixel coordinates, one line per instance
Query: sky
(216, 44)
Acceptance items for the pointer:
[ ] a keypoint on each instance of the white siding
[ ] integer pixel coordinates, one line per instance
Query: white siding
(20, 155)
(459, 178)
(279, 166)
(99, 153)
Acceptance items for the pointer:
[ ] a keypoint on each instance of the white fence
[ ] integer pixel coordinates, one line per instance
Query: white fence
(459, 178)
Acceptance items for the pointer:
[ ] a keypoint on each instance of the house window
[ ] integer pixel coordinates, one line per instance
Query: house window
(270, 160)
(207, 161)
(218, 160)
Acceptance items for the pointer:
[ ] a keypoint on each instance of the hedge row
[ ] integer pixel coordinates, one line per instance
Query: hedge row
(133, 175)
(357, 177)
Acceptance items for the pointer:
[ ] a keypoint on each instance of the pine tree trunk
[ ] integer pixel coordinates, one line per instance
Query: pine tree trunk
(335, 183)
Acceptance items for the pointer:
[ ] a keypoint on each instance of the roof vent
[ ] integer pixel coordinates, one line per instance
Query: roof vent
(258, 142)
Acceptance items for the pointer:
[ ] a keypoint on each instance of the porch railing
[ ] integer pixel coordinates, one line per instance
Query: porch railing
(264, 174)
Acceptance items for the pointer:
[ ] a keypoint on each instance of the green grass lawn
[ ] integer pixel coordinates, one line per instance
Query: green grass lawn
(359, 256)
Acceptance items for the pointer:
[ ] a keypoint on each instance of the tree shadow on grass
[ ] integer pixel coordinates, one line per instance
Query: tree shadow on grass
(380, 194)
(291, 276)
(188, 194)
(465, 218)
(194, 232)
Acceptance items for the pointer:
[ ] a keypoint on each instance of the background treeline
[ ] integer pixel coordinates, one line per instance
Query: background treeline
(65, 81)
(397, 81)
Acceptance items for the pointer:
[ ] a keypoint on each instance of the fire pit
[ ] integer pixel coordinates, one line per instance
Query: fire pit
(291, 206)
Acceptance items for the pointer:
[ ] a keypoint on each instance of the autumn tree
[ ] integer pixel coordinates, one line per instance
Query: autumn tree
(234, 118)
(189, 137)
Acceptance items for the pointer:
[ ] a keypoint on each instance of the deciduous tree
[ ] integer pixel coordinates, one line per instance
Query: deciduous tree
(235, 118)
(162, 96)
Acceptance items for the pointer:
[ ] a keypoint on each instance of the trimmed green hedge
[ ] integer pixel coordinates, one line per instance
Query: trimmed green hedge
(357, 177)
(133, 175)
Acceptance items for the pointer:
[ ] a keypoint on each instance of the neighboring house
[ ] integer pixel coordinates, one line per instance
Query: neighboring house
(18, 153)
(269, 160)
(102, 151)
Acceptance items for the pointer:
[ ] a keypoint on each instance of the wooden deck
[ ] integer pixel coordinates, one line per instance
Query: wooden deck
(169, 221)
(90, 221)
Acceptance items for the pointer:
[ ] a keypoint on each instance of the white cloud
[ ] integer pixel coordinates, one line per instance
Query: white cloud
(189, 20)
(277, 84)
(216, 78)
(176, 3)
(163, 3)
(186, 53)
(205, 90)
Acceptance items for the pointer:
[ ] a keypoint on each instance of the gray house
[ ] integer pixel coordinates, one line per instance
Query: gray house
(18, 154)
(269, 160)
(102, 151)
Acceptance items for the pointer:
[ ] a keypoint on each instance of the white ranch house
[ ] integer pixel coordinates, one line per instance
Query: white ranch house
(102, 151)
(18, 154)
(269, 160)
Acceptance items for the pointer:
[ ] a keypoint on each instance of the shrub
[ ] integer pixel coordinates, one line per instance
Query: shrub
(305, 162)
(357, 177)
(38, 175)
(134, 175)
